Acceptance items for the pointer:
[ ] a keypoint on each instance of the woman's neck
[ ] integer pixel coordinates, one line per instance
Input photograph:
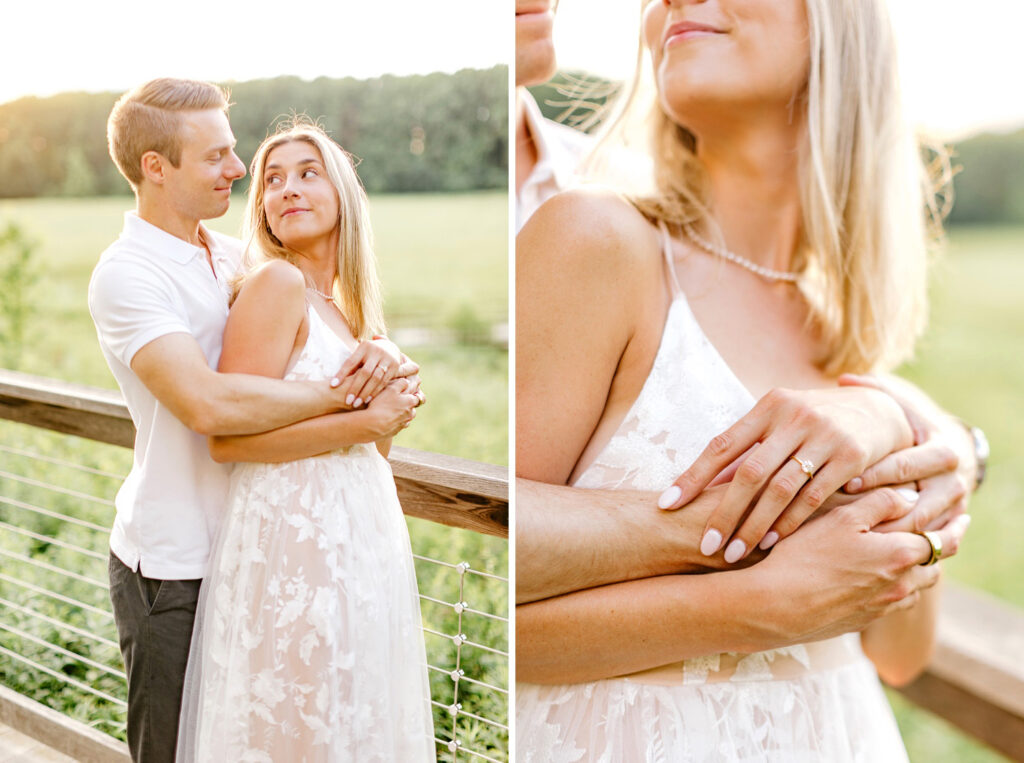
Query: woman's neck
(755, 192)
(319, 263)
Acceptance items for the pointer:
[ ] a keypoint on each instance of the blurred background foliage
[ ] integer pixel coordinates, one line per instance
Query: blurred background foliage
(432, 132)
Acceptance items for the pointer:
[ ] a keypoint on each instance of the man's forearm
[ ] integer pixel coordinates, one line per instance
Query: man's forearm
(569, 539)
(241, 404)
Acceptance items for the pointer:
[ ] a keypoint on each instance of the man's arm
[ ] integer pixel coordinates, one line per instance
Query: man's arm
(798, 594)
(569, 539)
(386, 416)
(142, 322)
(175, 370)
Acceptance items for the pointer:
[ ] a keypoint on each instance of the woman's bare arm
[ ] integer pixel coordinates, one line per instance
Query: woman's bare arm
(260, 342)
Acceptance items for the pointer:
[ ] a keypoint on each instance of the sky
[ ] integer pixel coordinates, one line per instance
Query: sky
(961, 62)
(117, 44)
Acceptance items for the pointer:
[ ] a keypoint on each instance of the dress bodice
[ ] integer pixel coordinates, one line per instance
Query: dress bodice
(689, 396)
(322, 355)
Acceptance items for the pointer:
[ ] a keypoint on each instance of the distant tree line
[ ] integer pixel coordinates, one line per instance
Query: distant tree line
(434, 132)
(988, 185)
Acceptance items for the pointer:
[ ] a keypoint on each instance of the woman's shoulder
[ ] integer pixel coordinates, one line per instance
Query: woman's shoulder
(278, 277)
(593, 226)
(275, 282)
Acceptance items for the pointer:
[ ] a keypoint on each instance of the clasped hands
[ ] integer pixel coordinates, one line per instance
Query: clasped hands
(378, 370)
(788, 459)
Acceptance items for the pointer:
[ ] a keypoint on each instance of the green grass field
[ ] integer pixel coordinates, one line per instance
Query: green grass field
(970, 361)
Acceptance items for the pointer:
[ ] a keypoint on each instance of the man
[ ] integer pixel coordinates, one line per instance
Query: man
(159, 299)
(547, 153)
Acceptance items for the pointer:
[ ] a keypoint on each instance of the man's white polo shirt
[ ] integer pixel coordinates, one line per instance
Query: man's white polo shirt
(148, 284)
(560, 149)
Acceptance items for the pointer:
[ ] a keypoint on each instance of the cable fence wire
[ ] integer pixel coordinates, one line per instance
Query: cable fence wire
(58, 643)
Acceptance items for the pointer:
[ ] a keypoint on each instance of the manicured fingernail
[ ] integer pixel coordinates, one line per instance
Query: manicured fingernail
(855, 484)
(735, 551)
(769, 540)
(710, 542)
(965, 520)
(349, 399)
(669, 497)
(908, 494)
(335, 382)
(369, 399)
(358, 402)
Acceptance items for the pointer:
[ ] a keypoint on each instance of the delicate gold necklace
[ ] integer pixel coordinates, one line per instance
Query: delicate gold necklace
(743, 262)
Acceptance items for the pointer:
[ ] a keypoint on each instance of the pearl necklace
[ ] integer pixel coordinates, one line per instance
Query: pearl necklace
(328, 297)
(743, 262)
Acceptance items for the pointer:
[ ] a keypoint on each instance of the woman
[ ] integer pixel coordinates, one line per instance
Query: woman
(784, 246)
(308, 643)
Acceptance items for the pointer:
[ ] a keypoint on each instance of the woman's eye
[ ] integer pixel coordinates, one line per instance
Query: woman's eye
(272, 180)
(307, 173)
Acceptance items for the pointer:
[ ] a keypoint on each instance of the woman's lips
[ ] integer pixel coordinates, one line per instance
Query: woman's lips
(688, 30)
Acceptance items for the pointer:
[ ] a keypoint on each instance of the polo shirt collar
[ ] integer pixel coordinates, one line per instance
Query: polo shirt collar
(156, 239)
(553, 159)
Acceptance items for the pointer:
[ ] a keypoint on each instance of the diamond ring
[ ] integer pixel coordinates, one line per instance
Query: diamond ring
(806, 465)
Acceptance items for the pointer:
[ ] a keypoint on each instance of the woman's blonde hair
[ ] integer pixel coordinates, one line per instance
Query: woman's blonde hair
(868, 202)
(356, 286)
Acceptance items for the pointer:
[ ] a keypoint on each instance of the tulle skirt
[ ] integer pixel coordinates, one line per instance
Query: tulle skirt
(308, 643)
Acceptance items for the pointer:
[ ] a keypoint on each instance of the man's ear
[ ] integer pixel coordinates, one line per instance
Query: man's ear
(154, 165)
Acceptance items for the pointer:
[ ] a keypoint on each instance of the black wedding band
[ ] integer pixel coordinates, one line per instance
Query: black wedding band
(935, 542)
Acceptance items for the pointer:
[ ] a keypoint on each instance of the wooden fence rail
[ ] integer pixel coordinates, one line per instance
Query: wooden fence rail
(444, 489)
(450, 491)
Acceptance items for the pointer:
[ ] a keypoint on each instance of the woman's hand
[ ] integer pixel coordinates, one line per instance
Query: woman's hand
(367, 371)
(797, 449)
(392, 410)
(932, 463)
(839, 575)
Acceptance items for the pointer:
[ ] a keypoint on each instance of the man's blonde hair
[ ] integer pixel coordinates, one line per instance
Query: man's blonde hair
(356, 285)
(150, 118)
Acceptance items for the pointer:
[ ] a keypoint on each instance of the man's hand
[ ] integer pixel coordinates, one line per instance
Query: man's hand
(409, 370)
(839, 575)
(393, 409)
(932, 463)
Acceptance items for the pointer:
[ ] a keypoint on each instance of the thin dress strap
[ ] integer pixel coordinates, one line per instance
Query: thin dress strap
(670, 266)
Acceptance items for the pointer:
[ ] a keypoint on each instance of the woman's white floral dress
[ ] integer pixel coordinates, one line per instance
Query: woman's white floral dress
(805, 704)
(308, 643)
